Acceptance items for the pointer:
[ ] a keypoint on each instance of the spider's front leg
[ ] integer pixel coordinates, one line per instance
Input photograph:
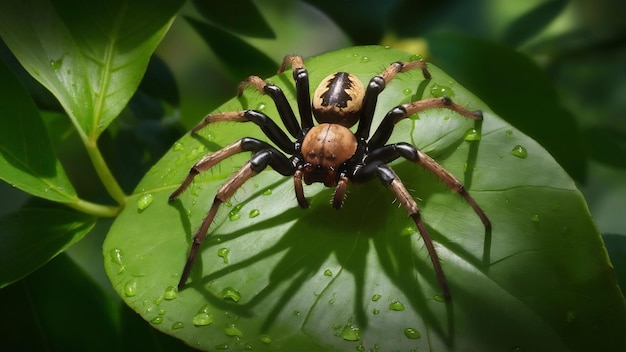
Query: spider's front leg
(265, 156)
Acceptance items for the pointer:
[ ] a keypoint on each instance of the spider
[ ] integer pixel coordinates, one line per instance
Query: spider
(328, 152)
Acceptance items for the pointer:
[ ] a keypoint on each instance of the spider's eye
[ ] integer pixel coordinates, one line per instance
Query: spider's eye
(338, 99)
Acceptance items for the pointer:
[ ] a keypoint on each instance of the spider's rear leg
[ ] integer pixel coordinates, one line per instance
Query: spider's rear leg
(246, 144)
(266, 156)
(391, 180)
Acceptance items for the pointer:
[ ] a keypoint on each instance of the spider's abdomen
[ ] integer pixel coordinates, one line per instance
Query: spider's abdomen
(338, 99)
(325, 148)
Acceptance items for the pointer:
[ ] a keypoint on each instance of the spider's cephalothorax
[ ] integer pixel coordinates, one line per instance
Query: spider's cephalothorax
(329, 152)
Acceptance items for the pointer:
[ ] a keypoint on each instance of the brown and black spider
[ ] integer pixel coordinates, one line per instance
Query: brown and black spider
(328, 152)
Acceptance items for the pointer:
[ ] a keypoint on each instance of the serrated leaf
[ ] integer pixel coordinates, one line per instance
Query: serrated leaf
(90, 55)
(359, 278)
(27, 159)
(34, 235)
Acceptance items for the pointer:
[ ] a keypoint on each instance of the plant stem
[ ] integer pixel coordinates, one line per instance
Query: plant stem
(95, 209)
(103, 171)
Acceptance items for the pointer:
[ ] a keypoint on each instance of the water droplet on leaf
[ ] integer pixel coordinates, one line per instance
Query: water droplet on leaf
(350, 333)
(376, 297)
(365, 59)
(223, 253)
(472, 135)
(327, 272)
(232, 330)
(231, 294)
(397, 305)
(265, 339)
(254, 213)
(157, 320)
(519, 151)
(130, 288)
(177, 325)
(412, 333)
(439, 91)
(171, 292)
(144, 201)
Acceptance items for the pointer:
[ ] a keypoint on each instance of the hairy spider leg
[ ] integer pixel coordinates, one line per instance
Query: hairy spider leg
(303, 94)
(265, 155)
(376, 85)
(395, 115)
(267, 125)
(282, 105)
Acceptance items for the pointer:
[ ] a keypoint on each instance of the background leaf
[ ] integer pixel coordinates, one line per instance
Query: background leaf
(27, 159)
(35, 234)
(239, 16)
(516, 88)
(312, 278)
(91, 56)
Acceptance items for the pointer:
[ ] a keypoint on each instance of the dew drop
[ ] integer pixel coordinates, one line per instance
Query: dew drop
(221, 346)
(157, 320)
(376, 297)
(56, 64)
(171, 292)
(261, 106)
(178, 325)
(116, 256)
(178, 147)
(202, 317)
(365, 59)
(144, 201)
(350, 333)
(439, 298)
(265, 339)
(397, 305)
(327, 272)
(519, 151)
(267, 192)
(535, 218)
(231, 294)
(130, 288)
(415, 57)
(407, 91)
(407, 231)
(439, 91)
(254, 213)
(232, 330)
(234, 216)
(412, 333)
(375, 311)
(296, 313)
(508, 133)
(360, 347)
(472, 135)
(223, 253)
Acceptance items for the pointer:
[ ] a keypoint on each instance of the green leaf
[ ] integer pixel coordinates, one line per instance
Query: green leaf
(517, 89)
(34, 235)
(237, 56)
(90, 55)
(240, 16)
(308, 279)
(27, 159)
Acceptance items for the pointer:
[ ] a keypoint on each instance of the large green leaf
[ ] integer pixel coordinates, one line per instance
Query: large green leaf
(27, 159)
(360, 278)
(90, 55)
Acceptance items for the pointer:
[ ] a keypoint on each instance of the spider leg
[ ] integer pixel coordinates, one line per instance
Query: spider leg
(391, 152)
(297, 186)
(395, 115)
(376, 85)
(267, 125)
(246, 144)
(258, 162)
(391, 180)
(303, 95)
(282, 105)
